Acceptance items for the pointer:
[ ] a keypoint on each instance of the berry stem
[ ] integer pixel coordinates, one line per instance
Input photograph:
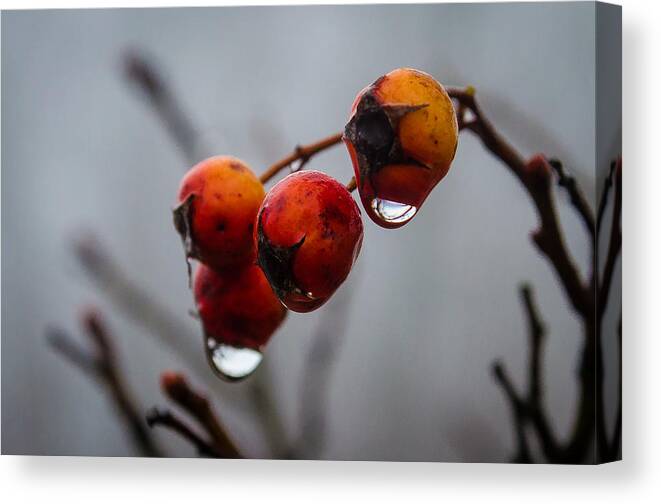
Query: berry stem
(351, 186)
(302, 153)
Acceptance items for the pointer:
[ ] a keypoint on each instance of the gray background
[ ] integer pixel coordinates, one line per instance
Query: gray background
(432, 304)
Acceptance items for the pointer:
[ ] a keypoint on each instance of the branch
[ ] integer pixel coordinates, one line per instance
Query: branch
(605, 448)
(531, 407)
(616, 442)
(536, 332)
(615, 243)
(317, 375)
(576, 196)
(140, 71)
(167, 419)
(518, 413)
(262, 394)
(535, 176)
(176, 387)
(604, 195)
(135, 302)
(103, 367)
(302, 153)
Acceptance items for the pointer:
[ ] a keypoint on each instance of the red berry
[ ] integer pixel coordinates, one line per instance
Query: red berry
(309, 233)
(239, 312)
(219, 199)
(402, 137)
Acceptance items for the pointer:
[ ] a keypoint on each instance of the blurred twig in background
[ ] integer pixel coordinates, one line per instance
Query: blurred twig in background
(101, 365)
(317, 374)
(139, 305)
(143, 72)
(176, 387)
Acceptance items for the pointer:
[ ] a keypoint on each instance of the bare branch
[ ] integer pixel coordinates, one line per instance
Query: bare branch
(317, 375)
(615, 243)
(535, 176)
(166, 418)
(517, 406)
(135, 302)
(142, 72)
(604, 195)
(176, 387)
(536, 333)
(104, 368)
(576, 196)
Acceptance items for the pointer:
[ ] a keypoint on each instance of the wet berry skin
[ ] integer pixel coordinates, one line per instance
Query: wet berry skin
(237, 308)
(309, 233)
(402, 136)
(218, 202)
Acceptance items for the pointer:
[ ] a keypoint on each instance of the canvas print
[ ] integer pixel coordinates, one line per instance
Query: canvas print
(371, 232)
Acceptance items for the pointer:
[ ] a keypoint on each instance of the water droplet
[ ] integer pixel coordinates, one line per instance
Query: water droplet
(232, 363)
(391, 211)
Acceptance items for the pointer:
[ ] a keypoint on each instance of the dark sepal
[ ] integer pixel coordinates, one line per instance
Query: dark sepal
(276, 263)
(183, 223)
(373, 132)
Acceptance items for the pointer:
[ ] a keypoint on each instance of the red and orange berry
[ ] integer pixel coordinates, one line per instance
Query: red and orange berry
(402, 136)
(309, 234)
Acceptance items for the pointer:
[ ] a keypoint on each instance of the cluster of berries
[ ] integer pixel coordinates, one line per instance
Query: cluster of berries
(261, 254)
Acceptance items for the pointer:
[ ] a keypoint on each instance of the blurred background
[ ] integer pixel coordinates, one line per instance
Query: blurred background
(428, 307)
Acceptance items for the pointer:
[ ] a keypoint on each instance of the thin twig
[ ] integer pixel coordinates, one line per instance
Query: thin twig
(530, 408)
(142, 72)
(576, 196)
(265, 404)
(517, 406)
(302, 153)
(604, 447)
(176, 387)
(536, 333)
(135, 302)
(604, 195)
(616, 442)
(102, 365)
(317, 375)
(615, 243)
(166, 418)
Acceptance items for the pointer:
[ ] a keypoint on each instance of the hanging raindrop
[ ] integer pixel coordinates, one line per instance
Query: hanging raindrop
(232, 363)
(393, 212)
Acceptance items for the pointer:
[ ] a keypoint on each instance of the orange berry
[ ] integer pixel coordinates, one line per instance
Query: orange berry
(218, 202)
(401, 136)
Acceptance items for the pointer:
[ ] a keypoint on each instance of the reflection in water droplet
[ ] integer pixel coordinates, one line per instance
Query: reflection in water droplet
(230, 362)
(391, 211)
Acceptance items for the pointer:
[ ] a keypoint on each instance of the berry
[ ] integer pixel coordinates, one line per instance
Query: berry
(218, 202)
(401, 136)
(309, 233)
(237, 308)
